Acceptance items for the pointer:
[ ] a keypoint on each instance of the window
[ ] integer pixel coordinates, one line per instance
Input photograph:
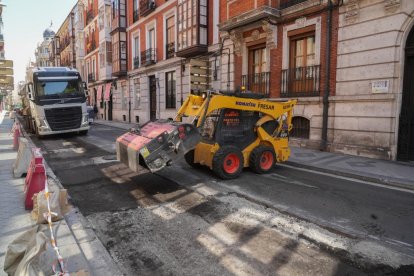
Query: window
(192, 23)
(170, 89)
(301, 128)
(135, 10)
(136, 52)
(302, 51)
(257, 59)
(302, 79)
(258, 79)
(124, 96)
(170, 37)
(137, 93)
(151, 38)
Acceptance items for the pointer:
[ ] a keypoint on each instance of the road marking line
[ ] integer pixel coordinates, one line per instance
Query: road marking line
(350, 179)
(284, 179)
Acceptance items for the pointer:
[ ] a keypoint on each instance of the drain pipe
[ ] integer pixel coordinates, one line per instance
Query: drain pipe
(324, 141)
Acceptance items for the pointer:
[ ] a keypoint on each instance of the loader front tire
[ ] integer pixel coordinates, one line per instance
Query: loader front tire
(262, 159)
(228, 162)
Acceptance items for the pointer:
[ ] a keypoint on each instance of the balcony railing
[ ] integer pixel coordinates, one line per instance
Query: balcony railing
(258, 83)
(283, 4)
(148, 56)
(135, 16)
(146, 7)
(91, 77)
(300, 82)
(170, 50)
(136, 62)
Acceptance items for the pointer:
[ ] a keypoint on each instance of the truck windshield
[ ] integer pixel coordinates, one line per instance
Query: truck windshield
(59, 88)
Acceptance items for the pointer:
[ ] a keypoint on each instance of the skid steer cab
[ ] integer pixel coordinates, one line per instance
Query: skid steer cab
(223, 131)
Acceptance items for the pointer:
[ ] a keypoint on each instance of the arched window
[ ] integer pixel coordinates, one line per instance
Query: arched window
(301, 128)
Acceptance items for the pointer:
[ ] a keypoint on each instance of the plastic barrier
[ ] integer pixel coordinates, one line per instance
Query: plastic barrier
(24, 155)
(16, 134)
(35, 179)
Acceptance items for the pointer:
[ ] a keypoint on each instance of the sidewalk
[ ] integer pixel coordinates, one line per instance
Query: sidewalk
(80, 250)
(393, 173)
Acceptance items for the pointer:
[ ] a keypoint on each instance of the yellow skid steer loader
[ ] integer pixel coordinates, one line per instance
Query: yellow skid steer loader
(224, 131)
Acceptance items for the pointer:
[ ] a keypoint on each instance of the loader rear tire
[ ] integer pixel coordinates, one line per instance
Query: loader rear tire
(228, 162)
(262, 159)
(189, 158)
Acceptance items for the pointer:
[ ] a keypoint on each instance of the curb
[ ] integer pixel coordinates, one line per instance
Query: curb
(377, 180)
(96, 256)
(110, 125)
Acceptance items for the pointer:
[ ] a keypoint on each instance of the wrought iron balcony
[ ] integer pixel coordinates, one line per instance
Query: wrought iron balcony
(91, 77)
(136, 62)
(258, 83)
(300, 82)
(170, 50)
(135, 16)
(146, 7)
(283, 4)
(148, 56)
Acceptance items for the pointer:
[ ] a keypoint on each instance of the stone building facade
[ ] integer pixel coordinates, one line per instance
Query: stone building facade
(373, 109)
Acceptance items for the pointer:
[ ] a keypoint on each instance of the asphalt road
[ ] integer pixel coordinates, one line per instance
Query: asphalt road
(97, 184)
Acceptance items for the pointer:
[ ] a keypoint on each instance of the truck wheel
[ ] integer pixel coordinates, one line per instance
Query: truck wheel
(262, 159)
(228, 162)
(189, 158)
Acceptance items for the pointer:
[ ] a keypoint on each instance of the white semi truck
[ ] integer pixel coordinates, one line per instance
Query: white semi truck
(55, 101)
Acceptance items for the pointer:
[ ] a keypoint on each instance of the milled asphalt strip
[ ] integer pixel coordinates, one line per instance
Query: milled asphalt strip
(92, 249)
(385, 186)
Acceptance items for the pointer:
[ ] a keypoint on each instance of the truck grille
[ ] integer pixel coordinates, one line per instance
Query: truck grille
(64, 118)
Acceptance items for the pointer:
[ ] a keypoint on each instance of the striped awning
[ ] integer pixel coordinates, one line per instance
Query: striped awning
(107, 94)
(99, 93)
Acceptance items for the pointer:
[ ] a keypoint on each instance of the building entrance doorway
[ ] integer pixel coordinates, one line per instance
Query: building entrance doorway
(405, 151)
(153, 97)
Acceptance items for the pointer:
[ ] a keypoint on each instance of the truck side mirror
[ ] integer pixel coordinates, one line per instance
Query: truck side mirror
(85, 88)
(29, 90)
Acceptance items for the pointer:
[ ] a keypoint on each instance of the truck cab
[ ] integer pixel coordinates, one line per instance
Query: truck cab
(57, 101)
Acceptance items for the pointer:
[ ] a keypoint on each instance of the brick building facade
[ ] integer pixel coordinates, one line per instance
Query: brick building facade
(346, 61)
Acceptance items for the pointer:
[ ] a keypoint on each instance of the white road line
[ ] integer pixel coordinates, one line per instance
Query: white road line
(350, 179)
(275, 176)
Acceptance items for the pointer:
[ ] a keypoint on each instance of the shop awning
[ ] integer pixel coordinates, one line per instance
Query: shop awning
(107, 91)
(99, 93)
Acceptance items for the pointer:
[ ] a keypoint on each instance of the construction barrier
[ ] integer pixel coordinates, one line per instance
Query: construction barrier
(35, 178)
(24, 156)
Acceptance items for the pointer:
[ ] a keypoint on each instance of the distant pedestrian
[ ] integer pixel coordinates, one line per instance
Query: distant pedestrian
(95, 111)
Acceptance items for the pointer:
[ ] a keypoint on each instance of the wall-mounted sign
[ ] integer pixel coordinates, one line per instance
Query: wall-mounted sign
(380, 86)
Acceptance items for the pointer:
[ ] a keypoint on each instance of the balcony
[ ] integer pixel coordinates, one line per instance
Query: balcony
(90, 45)
(283, 4)
(146, 7)
(136, 62)
(89, 16)
(258, 83)
(300, 82)
(148, 56)
(135, 16)
(91, 77)
(170, 50)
